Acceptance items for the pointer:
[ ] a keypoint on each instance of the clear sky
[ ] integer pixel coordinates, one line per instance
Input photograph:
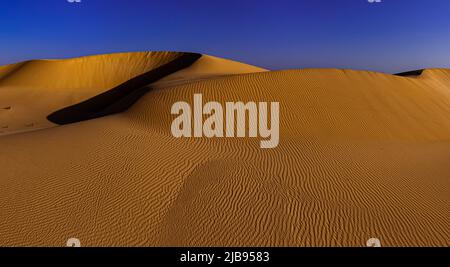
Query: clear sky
(392, 36)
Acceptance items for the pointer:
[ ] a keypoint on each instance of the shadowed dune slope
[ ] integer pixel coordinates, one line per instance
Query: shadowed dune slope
(413, 73)
(361, 155)
(121, 97)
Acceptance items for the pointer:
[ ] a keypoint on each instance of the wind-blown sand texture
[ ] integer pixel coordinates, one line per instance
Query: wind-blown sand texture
(361, 155)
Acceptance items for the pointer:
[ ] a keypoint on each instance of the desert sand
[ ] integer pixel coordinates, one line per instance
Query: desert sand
(361, 155)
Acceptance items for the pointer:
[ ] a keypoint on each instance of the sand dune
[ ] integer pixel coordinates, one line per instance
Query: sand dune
(34, 89)
(207, 67)
(361, 155)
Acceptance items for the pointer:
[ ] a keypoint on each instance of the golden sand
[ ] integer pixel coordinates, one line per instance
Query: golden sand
(34, 89)
(361, 155)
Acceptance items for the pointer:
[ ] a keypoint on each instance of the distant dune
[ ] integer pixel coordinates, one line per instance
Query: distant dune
(361, 155)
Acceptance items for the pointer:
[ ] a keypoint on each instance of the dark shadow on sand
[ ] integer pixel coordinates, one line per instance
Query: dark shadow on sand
(410, 73)
(121, 97)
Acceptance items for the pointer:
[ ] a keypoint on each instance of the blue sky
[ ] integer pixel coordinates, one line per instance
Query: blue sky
(392, 36)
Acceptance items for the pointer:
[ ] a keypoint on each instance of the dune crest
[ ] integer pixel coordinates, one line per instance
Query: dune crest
(35, 89)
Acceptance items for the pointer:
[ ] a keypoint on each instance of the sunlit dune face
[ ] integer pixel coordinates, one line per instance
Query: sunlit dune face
(34, 89)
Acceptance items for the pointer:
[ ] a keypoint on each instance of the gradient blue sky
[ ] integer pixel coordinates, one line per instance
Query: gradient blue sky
(392, 36)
